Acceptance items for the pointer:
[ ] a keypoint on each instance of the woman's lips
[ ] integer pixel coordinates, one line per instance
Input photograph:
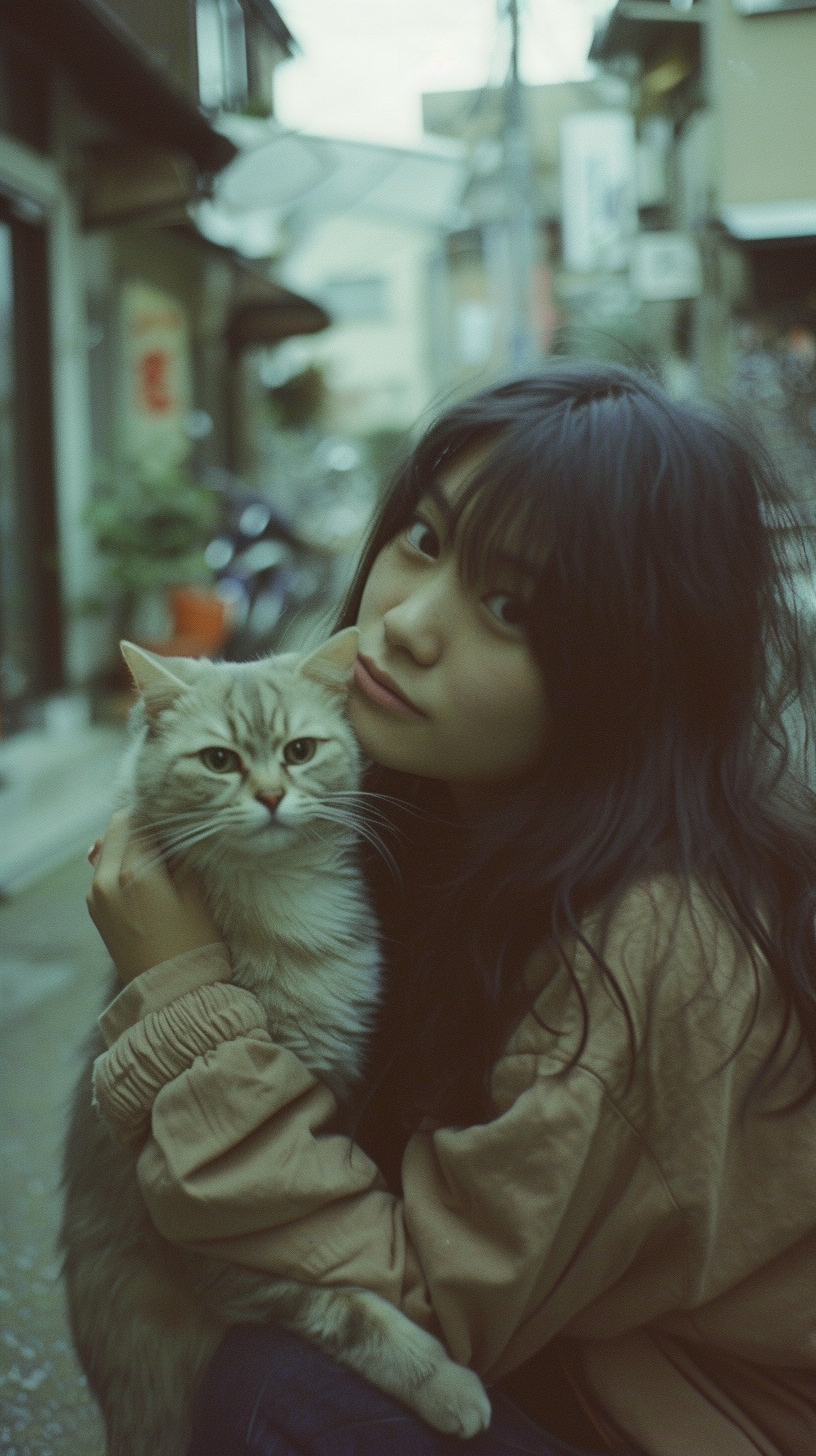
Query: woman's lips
(379, 688)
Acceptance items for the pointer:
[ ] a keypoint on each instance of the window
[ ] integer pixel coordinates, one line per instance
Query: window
(222, 55)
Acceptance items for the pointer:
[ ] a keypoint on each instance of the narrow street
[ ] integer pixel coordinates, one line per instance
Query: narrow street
(53, 970)
(274, 275)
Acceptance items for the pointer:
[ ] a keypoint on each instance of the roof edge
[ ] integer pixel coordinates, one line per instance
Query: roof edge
(117, 76)
(274, 22)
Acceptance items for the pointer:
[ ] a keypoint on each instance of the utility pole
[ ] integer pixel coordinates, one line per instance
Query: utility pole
(523, 347)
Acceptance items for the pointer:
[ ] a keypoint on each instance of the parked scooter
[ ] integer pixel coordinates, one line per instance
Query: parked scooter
(264, 570)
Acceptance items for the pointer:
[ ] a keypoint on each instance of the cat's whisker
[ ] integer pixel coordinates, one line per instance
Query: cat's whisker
(338, 815)
(186, 820)
(177, 844)
(170, 818)
(357, 817)
(185, 815)
(349, 798)
(360, 794)
(382, 815)
(404, 808)
(195, 832)
(177, 816)
(347, 820)
(154, 851)
(159, 844)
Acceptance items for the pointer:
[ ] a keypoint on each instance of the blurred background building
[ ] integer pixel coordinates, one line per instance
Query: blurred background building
(121, 331)
(725, 109)
(218, 334)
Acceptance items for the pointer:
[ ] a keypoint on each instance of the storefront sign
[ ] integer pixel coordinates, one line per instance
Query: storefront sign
(666, 265)
(156, 392)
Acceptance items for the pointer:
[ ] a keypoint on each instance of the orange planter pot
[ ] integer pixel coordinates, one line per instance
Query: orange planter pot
(198, 612)
(201, 623)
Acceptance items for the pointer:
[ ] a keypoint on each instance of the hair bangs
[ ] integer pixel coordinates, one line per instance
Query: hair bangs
(504, 523)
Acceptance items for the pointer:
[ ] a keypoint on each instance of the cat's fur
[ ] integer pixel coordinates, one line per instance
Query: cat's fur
(284, 889)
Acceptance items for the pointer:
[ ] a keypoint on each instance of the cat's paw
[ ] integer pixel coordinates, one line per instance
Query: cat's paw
(453, 1400)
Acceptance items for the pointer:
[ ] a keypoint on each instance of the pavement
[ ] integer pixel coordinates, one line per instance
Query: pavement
(53, 976)
(56, 793)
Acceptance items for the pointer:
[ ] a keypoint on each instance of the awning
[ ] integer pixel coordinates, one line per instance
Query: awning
(267, 321)
(299, 179)
(117, 77)
(755, 222)
(263, 312)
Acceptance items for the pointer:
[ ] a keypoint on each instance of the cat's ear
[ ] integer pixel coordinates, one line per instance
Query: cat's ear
(159, 679)
(332, 665)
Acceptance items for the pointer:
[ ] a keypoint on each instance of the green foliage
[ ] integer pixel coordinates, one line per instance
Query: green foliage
(152, 533)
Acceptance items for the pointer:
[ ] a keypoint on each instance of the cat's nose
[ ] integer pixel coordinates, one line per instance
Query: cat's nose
(270, 800)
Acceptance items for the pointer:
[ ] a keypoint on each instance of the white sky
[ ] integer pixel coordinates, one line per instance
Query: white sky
(365, 63)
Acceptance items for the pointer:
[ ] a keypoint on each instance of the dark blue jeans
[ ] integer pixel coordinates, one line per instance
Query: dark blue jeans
(269, 1393)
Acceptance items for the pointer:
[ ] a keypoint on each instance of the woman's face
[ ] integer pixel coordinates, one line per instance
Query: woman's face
(446, 685)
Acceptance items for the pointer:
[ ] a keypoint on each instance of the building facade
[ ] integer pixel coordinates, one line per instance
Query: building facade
(120, 325)
(726, 89)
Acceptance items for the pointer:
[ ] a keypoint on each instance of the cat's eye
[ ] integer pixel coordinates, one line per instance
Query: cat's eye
(300, 750)
(220, 760)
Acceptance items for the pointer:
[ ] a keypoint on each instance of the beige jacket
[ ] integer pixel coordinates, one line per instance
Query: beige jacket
(653, 1219)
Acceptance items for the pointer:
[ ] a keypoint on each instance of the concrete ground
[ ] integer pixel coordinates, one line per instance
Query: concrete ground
(53, 974)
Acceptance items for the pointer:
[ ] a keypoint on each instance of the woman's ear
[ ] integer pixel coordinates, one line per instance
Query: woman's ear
(160, 680)
(332, 665)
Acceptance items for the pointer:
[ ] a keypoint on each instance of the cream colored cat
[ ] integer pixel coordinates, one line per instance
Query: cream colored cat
(250, 773)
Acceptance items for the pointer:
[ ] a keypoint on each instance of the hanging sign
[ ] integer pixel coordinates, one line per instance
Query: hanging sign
(156, 387)
(666, 265)
(598, 190)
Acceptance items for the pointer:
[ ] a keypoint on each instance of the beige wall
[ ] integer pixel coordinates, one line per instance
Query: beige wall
(378, 372)
(763, 84)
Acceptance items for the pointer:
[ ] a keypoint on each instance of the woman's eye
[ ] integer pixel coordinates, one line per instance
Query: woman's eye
(220, 760)
(507, 609)
(422, 537)
(300, 750)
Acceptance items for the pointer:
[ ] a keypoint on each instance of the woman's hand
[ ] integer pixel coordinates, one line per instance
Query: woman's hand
(143, 914)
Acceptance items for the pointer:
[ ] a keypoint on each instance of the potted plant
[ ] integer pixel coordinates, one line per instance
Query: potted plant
(152, 534)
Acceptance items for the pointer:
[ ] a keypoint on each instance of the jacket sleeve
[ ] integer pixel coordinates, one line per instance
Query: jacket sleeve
(504, 1232)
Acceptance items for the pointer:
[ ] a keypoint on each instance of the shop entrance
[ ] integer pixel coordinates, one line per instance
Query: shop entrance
(30, 625)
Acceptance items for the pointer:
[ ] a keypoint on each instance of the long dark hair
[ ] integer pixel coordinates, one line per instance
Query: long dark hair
(665, 623)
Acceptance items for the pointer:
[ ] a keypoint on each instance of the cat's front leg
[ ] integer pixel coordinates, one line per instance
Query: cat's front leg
(377, 1340)
(360, 1330)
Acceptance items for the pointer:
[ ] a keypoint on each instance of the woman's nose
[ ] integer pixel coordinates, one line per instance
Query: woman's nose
(415, 625)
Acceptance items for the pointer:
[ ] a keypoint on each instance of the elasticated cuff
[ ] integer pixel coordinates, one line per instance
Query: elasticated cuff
(162, 1045)
(163, 983)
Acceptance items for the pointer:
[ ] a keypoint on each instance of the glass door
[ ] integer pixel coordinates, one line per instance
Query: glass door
(13, 674)
(30, 623)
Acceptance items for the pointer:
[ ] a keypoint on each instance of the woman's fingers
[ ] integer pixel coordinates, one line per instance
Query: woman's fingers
(106, 852)
(142, 914)
(113, 846)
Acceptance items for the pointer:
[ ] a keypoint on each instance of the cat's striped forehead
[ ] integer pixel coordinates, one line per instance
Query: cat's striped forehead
(258, 708)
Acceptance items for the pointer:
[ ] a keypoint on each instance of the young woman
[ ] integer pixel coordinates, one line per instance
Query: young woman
(587, 1155)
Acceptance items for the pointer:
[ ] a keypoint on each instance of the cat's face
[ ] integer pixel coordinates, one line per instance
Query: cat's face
(243, 755)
